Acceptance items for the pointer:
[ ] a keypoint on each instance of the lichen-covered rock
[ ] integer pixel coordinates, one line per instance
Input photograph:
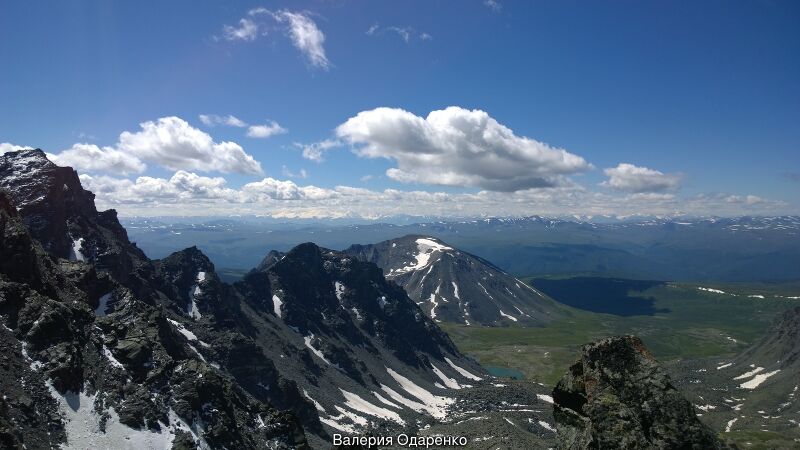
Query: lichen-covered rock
(617, 396)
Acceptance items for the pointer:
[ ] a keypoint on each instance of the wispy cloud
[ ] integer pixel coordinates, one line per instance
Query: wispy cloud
(306, 37)
(316, 151)
(407, 33)
(271, 128)
(289, 174)
(246, 30)
(301, 29)
(494, 5)
(213, 120)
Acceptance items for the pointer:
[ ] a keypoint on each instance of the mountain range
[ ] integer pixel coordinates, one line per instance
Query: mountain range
(104, 346)
(735, 249)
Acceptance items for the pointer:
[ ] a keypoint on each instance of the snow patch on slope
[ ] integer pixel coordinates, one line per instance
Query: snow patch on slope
(82, 427)
(357, 403)
(435, 405)
(757, 380)
(425, 249)
(192, 309)
(463, 372)
(448, 382)
(307, 340)
(276, 305)
(75, 253)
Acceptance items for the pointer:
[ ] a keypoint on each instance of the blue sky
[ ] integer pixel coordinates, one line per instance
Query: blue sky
(700, 100)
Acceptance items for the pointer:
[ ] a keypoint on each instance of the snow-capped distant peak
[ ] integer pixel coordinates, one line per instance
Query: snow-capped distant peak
(426, 247)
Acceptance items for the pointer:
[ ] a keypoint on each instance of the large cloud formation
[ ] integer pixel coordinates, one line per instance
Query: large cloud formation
(458, 147)
(89, 157)
(187, 193)
(172, 143)
(169, 142)
(630, 178)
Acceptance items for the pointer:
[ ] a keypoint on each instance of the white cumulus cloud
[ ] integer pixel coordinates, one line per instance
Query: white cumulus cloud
(630, 178)
(270, 188)
(172, 143)
(90, 157)
(6, 147)
(187, 193)
(182, 188)
(458, 147)
(169, 142)
(264, 131)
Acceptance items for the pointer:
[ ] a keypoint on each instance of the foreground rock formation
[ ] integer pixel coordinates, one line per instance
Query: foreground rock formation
(617, 396)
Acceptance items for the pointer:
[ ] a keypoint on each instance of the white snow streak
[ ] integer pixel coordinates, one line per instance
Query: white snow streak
(506, 315)
(357, 403)
(75, 253)
(749, 374)
(463, 372)
(757, 380)
(276, 306)
(435, 406)
(449, 382)
(307, 340)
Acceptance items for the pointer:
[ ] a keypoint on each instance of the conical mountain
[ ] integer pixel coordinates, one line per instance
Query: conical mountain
(451, 285)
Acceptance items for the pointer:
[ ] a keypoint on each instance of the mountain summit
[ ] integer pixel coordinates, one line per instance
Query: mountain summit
(451, 285)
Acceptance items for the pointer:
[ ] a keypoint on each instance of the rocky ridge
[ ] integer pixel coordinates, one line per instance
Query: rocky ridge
(617, 396)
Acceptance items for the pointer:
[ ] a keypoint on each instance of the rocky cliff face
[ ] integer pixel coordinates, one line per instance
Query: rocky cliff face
(617, 396)
(94, 352)
(451, 285)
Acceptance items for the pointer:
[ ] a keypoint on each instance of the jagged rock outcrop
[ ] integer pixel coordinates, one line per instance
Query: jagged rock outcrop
(451, 285)
(617, 396)
(61, 215)
(93, 352)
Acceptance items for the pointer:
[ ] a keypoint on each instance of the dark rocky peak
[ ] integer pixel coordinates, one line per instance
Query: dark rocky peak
(61, 215)
(50, 198)
(322, 292)
(272, 257)
(617, 396)
(189, 279)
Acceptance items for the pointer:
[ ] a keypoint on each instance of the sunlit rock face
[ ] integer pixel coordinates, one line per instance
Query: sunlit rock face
(617, 396)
